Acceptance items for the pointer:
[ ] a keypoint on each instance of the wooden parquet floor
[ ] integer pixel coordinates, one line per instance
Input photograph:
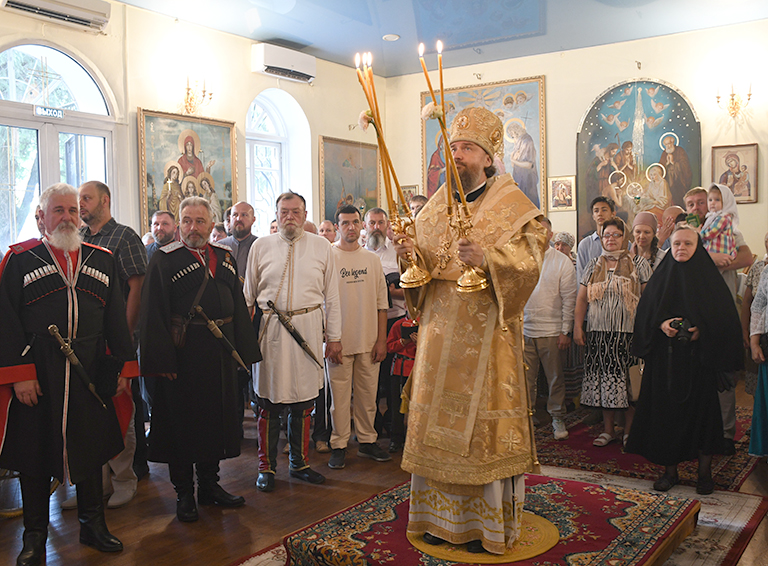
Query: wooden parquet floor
(152, 535)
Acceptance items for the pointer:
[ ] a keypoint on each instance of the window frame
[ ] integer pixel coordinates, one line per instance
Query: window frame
(22, 115)
(254, 138)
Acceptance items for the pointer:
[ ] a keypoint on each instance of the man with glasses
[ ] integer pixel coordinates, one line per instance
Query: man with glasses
(294, 272)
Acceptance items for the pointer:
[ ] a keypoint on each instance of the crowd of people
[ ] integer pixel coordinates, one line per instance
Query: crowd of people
(309, 326)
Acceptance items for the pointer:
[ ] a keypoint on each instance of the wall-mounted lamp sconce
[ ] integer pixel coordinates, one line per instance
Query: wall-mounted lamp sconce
(735, 103)
(194, 98)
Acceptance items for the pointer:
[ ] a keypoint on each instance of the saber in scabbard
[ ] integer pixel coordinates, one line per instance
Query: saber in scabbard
(69, 353)
(223, 340)
(286, 322)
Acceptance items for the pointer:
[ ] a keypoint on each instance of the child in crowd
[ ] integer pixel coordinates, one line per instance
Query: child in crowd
(401, 342)
(717, 233)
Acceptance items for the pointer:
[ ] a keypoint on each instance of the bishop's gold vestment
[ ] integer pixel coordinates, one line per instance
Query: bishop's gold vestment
(468, 422)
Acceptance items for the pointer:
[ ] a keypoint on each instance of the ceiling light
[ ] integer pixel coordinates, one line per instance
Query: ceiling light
(391, 37)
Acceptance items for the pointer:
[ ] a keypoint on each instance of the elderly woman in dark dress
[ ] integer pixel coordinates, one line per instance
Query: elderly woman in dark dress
(678, 412)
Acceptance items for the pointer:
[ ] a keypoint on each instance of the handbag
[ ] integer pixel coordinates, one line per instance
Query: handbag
(179, 323)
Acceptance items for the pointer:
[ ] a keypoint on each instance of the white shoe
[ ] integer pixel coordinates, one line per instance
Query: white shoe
(561, 433)
(70, 503)
(120, 498)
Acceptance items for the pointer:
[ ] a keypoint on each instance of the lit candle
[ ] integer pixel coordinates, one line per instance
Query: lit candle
(369, 68)
(440, 70)
(362, 82)
(426, 73)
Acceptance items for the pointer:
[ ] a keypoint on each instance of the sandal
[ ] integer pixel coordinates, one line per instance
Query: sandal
(624, 442)
(604, 440)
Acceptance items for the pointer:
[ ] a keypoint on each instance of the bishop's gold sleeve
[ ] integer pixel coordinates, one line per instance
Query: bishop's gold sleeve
(514, 269)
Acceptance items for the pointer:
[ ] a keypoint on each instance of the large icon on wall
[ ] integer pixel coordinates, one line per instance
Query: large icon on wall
(640, 145)
(181, 156)
(349, 174)
(520, 105)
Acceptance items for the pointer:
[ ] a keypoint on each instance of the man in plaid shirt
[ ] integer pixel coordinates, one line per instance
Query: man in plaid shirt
(104, 231)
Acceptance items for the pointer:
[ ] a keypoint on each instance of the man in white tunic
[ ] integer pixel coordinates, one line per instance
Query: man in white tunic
(295, 271)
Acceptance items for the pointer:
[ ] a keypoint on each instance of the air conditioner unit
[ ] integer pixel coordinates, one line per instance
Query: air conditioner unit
(84, 14)
(281, 62)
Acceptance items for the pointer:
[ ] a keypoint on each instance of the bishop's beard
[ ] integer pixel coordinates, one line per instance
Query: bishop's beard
(66, 237)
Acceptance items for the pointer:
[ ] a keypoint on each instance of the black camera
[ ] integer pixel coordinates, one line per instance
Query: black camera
(683, 327)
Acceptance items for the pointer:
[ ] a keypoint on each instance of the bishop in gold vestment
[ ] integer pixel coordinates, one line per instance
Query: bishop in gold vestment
(469, 436)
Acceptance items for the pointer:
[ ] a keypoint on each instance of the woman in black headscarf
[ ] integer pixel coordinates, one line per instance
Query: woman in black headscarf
(678, 412)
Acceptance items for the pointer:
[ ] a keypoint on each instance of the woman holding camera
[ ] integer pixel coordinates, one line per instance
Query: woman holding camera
(688, 332)
(611, 287)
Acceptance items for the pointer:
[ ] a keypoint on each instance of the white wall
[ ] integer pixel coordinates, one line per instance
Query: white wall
(143, 60)
(697, 63)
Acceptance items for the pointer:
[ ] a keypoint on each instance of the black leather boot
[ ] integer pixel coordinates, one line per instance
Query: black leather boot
(35, 493)
(209, 491)
(90, 513)
(183, 483)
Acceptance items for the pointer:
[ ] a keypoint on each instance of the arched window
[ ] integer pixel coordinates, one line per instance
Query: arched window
(265, 160)
(55, 126)
(278, 150)
(43, 76)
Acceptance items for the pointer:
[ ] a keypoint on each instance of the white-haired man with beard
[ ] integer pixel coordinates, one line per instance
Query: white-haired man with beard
(294, 271)
(53, 421)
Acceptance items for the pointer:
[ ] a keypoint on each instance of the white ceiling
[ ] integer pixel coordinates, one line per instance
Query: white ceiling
(474, 31)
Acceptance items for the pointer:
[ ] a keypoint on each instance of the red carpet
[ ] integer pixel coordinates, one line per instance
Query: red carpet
(597, 525)
(728, 472)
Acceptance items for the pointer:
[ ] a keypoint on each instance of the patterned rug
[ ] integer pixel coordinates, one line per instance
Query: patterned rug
(726, 523)
(728, 472)
(727, 520)
(597, 525)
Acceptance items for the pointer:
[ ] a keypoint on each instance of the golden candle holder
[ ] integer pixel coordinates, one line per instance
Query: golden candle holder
(413, 276)
(472, 278)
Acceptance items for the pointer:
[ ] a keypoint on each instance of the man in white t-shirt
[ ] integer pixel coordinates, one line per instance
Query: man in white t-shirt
(363, 296)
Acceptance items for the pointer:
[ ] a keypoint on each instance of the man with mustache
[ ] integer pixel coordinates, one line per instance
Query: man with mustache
(241, 241)
(54, 422)
(295, 271)
(194, 416)
(469, 439)
(163, 231)
(378, 226)
(125, 244)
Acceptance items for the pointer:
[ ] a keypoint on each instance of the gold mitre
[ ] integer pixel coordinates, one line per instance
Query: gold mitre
(479, 126)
